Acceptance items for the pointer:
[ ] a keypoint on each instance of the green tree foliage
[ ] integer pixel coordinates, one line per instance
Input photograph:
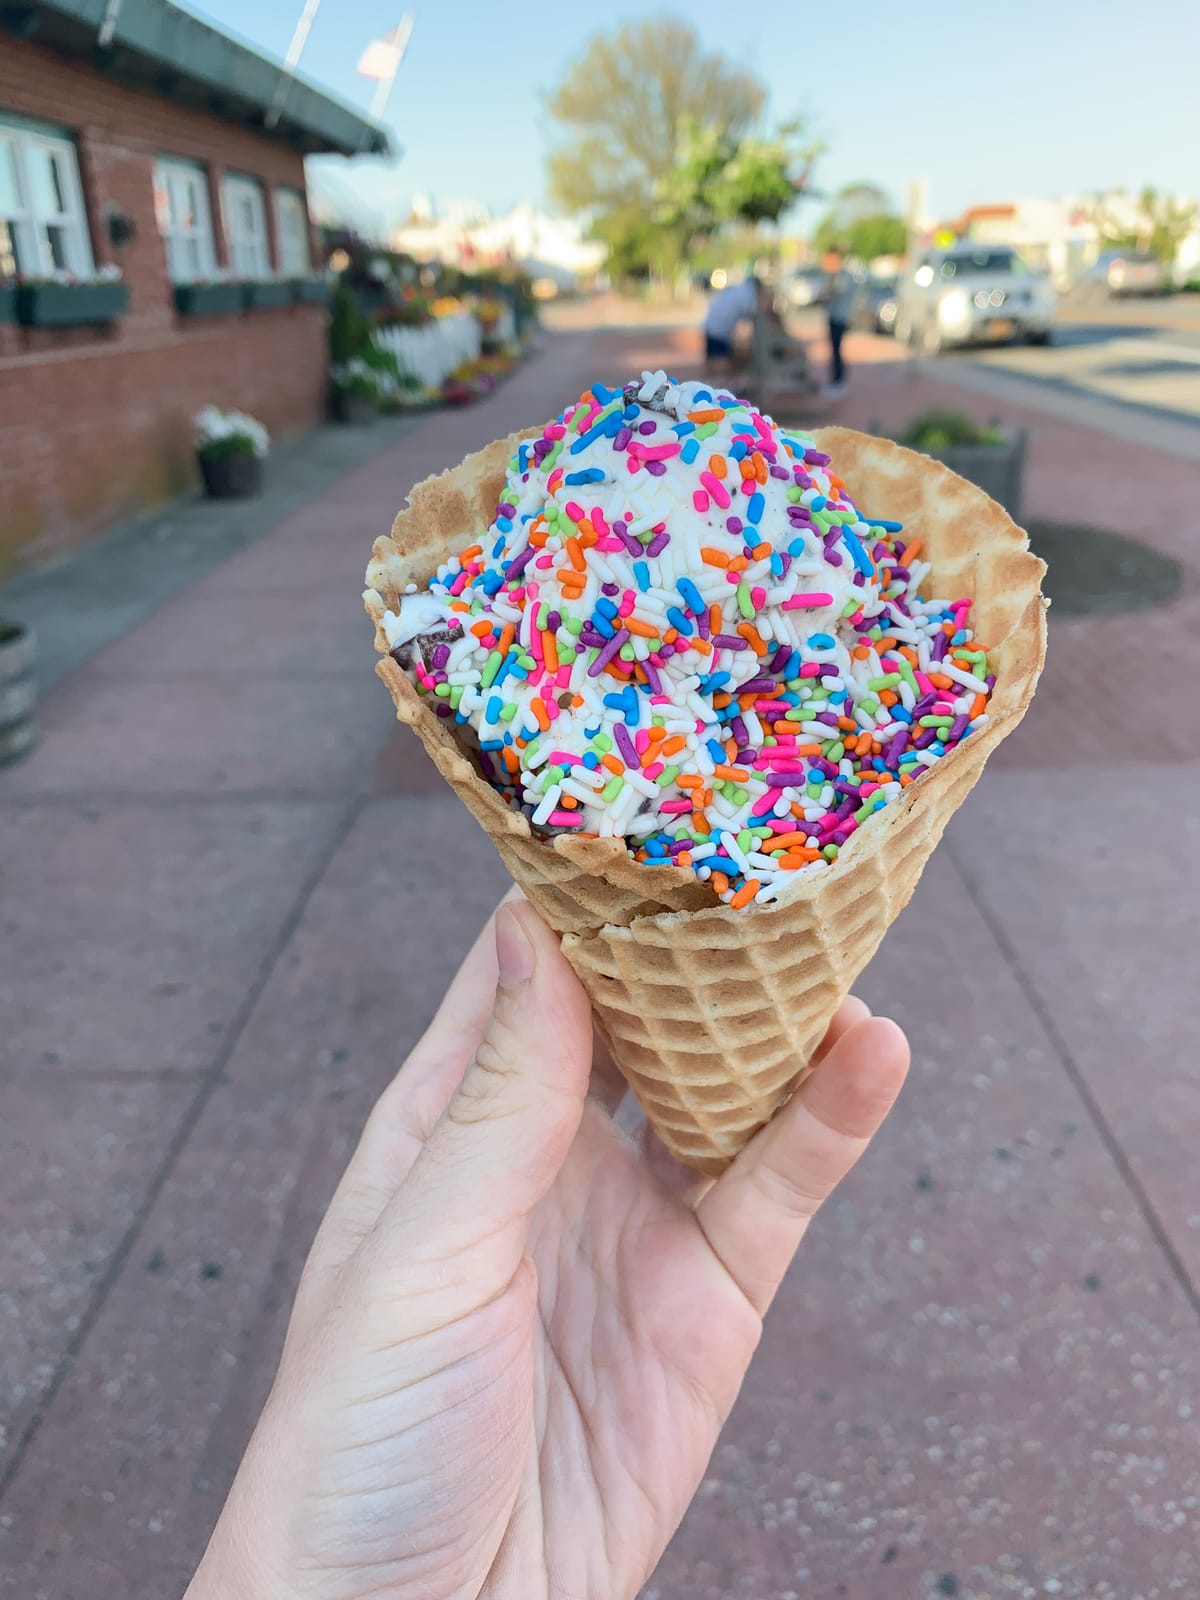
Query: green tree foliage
(1160, 224)
(861, 223)
(623, 106)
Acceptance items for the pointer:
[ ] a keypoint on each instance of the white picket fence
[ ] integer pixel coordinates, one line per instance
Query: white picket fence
(433, 352)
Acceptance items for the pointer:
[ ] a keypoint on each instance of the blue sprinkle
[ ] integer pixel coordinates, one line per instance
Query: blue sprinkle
(588, 475)
(590, 733)
(598, 431)
(754, 510)
(605, 607)
(491, 744)
(692, 596)
(655, 847)
(615, 702)
(492, 582)
(796, 548)
(899, 714)
(888, 527)
(604, 395)
(776, 565)
(498, 549)
(516, 671)
(630, 412)
(703, 394)
(822, 641)
(592, 760)
(690, 451)
(642, 573)
(859, 556)
(677, 620)
(682, 428)
(837, 698)
(715, 751)
(737, 449)
(817, 503)
(603, 626)
(613, 424)
(504, 524)
(960, 637)
(794, 663)
(494, 707)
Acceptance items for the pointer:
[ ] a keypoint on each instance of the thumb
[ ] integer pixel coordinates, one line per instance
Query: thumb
(498, 1146)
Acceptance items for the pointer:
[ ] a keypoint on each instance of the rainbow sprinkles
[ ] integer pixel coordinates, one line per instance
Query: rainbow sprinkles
(679, 630)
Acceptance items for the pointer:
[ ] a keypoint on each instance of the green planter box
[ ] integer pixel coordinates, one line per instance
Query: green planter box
(267, 295)
(70, 305)
(208, 299)
(8, 302)
(310, 291)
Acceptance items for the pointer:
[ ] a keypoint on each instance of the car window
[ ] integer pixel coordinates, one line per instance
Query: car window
(979, 262)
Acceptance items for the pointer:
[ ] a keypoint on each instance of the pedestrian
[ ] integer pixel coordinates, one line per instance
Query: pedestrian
(736, 303)
(520, 1329)
(839, 308)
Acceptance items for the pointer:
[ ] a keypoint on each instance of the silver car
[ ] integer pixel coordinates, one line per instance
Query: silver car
(973, 294)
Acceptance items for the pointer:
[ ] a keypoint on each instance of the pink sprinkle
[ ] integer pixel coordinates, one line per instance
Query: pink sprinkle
(926, 686)
(764, 803)
(628, 601)
(565, 819)
(641, 741)
(556, 430)
(599, 523)
(660, 700)
(810, 669)
(787, 766)
(717, 489)
(655, 771)
(758, 597)
(551, 703)
(733, 577)
(545, 561)
(700, 500)
(675, 806)
(808, 602)
(632, 464)
(564, 675)
(575, 511)
(655, 452)
(761, 426)
(560, 758)
(609, 545)
(459, 584)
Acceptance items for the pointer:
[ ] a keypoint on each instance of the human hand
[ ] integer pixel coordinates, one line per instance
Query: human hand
(519, 1331)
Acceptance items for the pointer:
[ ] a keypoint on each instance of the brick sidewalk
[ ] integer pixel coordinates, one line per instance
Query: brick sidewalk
(983, 1378)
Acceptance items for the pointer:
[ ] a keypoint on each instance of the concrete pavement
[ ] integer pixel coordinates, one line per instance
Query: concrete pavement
(982, 1377)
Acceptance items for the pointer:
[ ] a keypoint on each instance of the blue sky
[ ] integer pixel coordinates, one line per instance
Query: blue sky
(987, 102)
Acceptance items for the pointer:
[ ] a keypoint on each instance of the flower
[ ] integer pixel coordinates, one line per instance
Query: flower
(229, 433)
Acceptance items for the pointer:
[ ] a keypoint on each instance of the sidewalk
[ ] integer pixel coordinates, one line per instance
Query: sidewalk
(983, 1377)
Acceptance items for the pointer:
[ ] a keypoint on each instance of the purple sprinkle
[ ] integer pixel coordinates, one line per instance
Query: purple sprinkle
(896, 748)
(680, 844)
(621, 438)
(990, 680)
(840, 835)
(739, 730)
(843, 787)
(661, 540)
(652, 677)
(517, 565)
(779, 660)
(734, 524)
(924, 704)
(785, 562)
(816, 458)
(828, 718)
(656, 469)
(847, 808)
(703, 627)
(610, 588)
(758, 686)
(506, 509)
(553, 622)
(957, 728)
(649, 426)
(924, 738)
(608, 651)
(784, 780)
(626, 746)
(440, 656)
(833, 558)
(730, 641)
(778, 472)
(825, 768)
(634, 546)
(443, 709)
(902, 573)
(859, 578)
(941, 643)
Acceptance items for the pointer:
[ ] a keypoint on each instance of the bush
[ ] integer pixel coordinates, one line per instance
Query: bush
(229, 433)
(940, 430)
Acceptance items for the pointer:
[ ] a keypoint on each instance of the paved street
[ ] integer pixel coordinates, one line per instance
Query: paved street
(223, 927)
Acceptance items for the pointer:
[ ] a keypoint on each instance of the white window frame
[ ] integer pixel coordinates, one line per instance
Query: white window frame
(27, 222)
(291, 233)
(180, 189)
(249, 248)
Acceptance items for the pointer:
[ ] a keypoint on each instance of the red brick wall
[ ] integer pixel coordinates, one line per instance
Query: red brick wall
(96, 424)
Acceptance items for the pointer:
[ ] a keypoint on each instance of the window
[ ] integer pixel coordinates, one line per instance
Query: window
(184, 220)
(245, 227)
(43, 229)
(291, 231)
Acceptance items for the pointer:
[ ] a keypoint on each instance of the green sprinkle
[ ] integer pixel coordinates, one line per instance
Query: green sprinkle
(793, 495)
(705, 430)
(602, 742)
(456, 694)
(869, 703)
(626, 653)
(830, 852)
(442, 691)
(541, 617)
(745, 604)
(745, 840)
(934, 722)
(739, 796)
(666, 776)
(889, 680)
(612, 789)
(507, 712)
(490, 668)
(906, 672)
(835, 752)
(573, 625)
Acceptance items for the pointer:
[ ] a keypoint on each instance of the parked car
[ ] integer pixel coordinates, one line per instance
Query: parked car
(1121, 272)
(875, 307)
(974, 294)
(801, 288)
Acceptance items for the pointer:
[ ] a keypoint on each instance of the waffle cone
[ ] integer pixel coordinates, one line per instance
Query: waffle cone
(711, 1014)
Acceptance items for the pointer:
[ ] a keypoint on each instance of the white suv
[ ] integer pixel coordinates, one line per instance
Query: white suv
(974, 294)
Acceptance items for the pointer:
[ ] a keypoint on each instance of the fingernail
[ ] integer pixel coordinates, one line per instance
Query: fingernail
(514, 953)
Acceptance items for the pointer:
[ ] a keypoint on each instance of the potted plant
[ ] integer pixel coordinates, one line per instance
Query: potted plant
(18, 689)
(987, 456)
(65, 301)
(209, 297)
(355, 392)
(231, 448)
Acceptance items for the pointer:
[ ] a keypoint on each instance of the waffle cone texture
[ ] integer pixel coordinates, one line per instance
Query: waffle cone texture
(712, 1014)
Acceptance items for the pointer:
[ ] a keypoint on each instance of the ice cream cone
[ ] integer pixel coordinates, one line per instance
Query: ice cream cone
(712, 1014)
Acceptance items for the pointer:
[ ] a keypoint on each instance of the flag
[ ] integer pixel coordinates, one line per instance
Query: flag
(381, 59)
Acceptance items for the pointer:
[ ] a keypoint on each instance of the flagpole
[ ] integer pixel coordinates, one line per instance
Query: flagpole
(291, 61)
(400, 43)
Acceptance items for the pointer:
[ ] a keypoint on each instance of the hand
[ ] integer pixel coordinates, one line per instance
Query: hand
(520, 1331)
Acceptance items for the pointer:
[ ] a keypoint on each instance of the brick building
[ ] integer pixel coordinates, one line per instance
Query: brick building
(135, 137)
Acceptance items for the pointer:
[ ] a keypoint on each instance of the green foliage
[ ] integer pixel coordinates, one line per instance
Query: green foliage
(232, 444)
(939, 430)
(721, 179)
(1160, 225)
(350, 331)
(861, 224)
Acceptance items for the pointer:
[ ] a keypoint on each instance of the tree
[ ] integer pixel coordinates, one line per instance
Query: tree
(1153, 222)
(720, 179)
(862, 223)
(625, 103)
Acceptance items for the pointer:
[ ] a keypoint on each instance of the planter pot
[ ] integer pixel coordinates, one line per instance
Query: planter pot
(70, 305)
(18, 691)
(310, 291)
(8, 302)
(352, 408)
(208, 299)
(267, 295)
(998, 469)
(231, 477)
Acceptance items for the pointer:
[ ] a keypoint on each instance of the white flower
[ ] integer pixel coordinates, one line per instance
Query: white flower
(213, 426)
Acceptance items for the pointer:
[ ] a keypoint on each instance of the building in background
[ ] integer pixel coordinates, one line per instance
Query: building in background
(465, 235)
(155, 255)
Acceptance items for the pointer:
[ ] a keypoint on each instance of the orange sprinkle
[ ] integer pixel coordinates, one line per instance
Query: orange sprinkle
(655, 735)
(861, 652)
(613, 763)
(690, 780)
(538, 706)
(576, 554)
(731, 774)
(470, 553)
(785, 841)
(720, 700)
(701, 824)
(481, 629)
(913, 548)
(749, 632)
(507, 634)
(738, 564)
(719, 882)
(670, 636)
(888, 696)
(760, 466)
(714, 622)
(712, 414)
(978, 705)
(459, 605)
(746, 467)
(568, 802)
(684, 858)
(909, 654)
(717, 466)
(809, 749)
(549, 651)
(761, 551)
(745, 894)
(509, 758)
(673, 745)
(939, 680)
(711, 557)
(576, 701)
(849, 724)
(644, 630)
(703, 646)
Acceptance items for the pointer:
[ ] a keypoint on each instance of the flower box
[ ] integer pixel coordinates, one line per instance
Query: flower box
(266, 294)
(8, 302)
(208, 299)
(310, 291)
(231, 477)
(70, 305)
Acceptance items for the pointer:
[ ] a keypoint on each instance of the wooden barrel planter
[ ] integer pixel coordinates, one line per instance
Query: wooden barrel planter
(18, 691)
(231, 477)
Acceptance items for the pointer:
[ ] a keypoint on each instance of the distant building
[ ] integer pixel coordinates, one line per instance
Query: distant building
(1055, 236)
(544, 246)
(140, 142)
